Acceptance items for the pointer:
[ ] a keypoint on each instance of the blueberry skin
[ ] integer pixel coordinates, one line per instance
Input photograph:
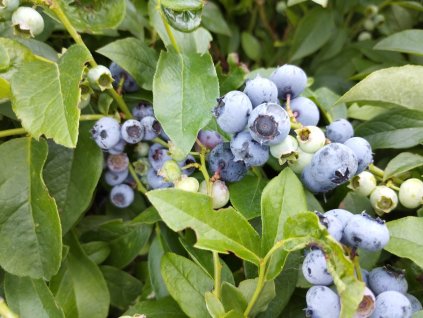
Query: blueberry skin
(106, 132)
(365, 232)
(340, 131)
(261, 90)
(118, 148)
(209, 139)
(315, 268)
(333, 225)
(132, 131)
(246, 149)
(232, 111)
(152, 127)
(157, 156)
(312, 184)
(322, 302)
(334, 163)
(362, 150)
(221, 160)
(142, 110)
(392, 304)
(117, 163)
(305, 111)
(155, 181)
(342, 215)
(382, 279)
(113, 179)
(269, 124)
(188, 160)
(122, 195)
(289, 79)
(415, 303)
(129, 84)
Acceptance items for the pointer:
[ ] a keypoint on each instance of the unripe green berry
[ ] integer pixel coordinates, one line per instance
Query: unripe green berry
(8, 6)
(141, 166)
(383, 199)
(301, 161)
(27, 22)
(310, 138)
(364, 36)
(176, 153)
(363, 183)
(369, 25)
(100, 78)
(286, 150)
(141, 149)
(170, 171)
(372, 10)
(219, 193)
(378, 19)
(188, 184)
(411, 193)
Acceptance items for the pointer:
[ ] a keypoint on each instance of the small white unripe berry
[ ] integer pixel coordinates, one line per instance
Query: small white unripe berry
(100, 78)
(383, 199)
(411, 193)
(363, 183)
(310, 138)
(27, 22)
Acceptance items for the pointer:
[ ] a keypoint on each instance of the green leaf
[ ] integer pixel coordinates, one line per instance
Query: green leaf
(29, 223)
(136, 57)
(221, 231)
(232, 298)
(394, 85)
(182, 5)
(30, 297)
(185, 88)
(328, 103)
(148, 216)
(187, 283)
(93, 16)
(366, 112)
(282, 197)
(214, 306)
(4, 89)
(397, 129)
(49, 104)
(97, 251)
(71, 175)
(79, 287)
(40, 48)
(213, 19)
(155, 254)
(418, 314)
(165, 307)
(408, 41)
(245, 195)
(357, 203)
(403, 162)
(251, 46)
(17, 53)
(234, 77)
(407, 238)
(247, 288)
(123, 287)
(313, 31)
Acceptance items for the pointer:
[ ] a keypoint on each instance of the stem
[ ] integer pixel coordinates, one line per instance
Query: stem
(160, 141)
(390, 184)
(121, 103)
(265, 20)
(376, 171)
(203, 169)
(357, 268)
(5, 312)
(12, 132)
(140, 186)
(168, 29)
(217, 274)
(379, 173)
(259, 287)
(88, 117)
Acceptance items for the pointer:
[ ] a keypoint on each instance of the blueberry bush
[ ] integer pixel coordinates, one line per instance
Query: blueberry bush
(171, 158)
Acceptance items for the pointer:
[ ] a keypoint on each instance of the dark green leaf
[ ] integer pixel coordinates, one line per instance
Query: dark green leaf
(327, 102)
(148, 216)
(97, 251)
(247, 288)
(157, 249)
(403, 162)
(357, 203)
(213, 20)
(161, 308)
(251, 46)
(40, 48)
(29, 223)
(232, 298)
(408, 41)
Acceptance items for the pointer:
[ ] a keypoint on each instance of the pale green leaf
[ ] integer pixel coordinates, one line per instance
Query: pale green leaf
(4, 89)
(161, 308)
(403, 162)
(247, 288)
(17, 53)
(155, 254)
(408, 41)
(214, 306)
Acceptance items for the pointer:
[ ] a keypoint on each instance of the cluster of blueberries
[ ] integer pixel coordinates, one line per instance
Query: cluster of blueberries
(386, 287)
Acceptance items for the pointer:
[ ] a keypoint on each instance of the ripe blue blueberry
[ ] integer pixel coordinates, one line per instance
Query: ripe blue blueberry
(132, 131)
(269, 124)
(312, 184)
(392, 304)
(232, 111)
(152, 127)
(113, 179)
(261, 90)
(106, 132)
(382, 279)
(315, 269)
(340, 131)
(416, 305)
(365, 232)
(119, 74)
(367, 305)
(209, 139)
(334, 163)
(142, 109)
(333, 225)
(342, 215)
(118, 148)
(246, 149)
(290, 80)
(155, 181)
(122, 195)
(158, 155)
(117, 163)
(221, 162)
(188, 160)
(362, 150)
(305, 111)
(322, 302)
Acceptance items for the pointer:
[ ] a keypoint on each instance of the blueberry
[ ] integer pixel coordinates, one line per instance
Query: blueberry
(141, 149)
(334, 163)
(411, 193)
(119, 74)
(170, 171)
(269, 124)
(365, 232)
(152, 127)
(142, 109)
(286, 150)
(365, 276)
(27, 22)
(392, 304)
(367, 305)
(290, 80)
(189, 184)
(322, 302)
(100, 78)
(362, 150)
(383, 199)
(221, 162)
(132, 131)
(141, 166)
(155, 181)
(209, 139)
(113, 179)
(315, 269)
(118, 148)
(302, 160)
(261, 90)
(310, 138)
(363, 183)
(246, 149)
(416, 305)
(117, 163)
(232, 112)
(305, 111)
(188, 160)
(312, 184)
(333, 225)
(106, 132)
(122, 195)
(382, 279)
(342, 215)
(340, 131)
(219, 193)
(158, 155)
